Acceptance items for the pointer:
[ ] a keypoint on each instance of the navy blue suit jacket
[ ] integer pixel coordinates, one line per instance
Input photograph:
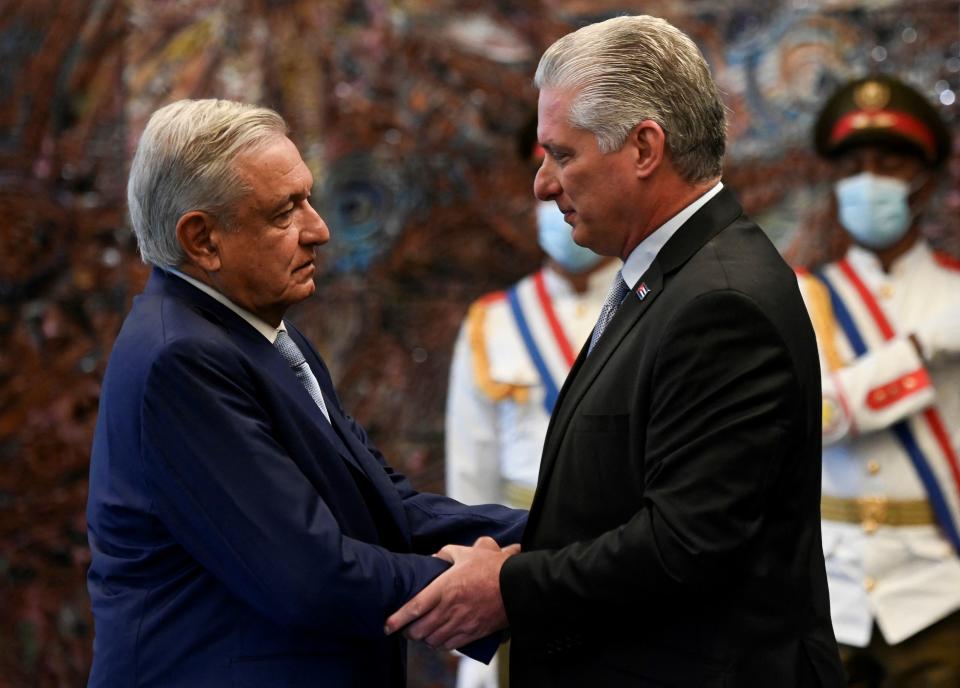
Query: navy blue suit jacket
(237, 537)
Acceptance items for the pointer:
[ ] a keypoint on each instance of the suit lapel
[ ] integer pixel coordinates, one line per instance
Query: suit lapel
(353, 449)
(277, 369)
(587, 368)
(718, 213)
(271, 364)
(257, 348)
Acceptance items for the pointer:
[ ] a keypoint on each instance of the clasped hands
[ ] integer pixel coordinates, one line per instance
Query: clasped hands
(463, 603)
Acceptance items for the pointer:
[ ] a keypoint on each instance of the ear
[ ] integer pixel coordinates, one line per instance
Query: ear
(198, 234)
(650, 142)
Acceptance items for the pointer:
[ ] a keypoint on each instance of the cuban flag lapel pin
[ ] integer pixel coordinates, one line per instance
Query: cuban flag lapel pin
(642, 290)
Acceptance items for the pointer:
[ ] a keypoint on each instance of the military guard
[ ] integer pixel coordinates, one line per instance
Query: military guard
(887, 318)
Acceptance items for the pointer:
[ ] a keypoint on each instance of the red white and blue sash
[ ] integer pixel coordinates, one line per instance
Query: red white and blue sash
(939, 470)
(551, 375)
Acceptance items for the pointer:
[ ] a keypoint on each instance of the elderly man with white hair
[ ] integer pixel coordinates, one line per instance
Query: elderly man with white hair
(244, 530)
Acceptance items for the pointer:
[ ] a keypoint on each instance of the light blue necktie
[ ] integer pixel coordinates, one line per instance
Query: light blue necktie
(615, 296)
(294, 358)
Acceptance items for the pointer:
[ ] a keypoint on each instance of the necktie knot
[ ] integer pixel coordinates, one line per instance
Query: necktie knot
(618, 290)
(289, 350)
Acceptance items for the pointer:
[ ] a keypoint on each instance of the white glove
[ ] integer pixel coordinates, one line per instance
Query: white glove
(939, 336)
(473, 674)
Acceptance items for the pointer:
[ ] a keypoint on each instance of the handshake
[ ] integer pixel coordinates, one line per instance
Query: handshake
(463, 603)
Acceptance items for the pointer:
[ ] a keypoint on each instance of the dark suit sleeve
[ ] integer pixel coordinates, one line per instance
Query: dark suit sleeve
(436, 520)
(236, 502)
(721, 408)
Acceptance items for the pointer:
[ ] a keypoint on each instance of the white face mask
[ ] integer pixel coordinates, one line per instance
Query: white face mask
(556, 238)
(875, 210)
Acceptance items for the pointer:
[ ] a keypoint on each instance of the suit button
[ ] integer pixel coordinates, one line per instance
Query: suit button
(869, 584)
(870, 526)
(873, 467)
(886, 291)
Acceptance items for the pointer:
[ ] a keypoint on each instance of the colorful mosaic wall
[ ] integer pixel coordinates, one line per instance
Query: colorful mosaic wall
(406, 113)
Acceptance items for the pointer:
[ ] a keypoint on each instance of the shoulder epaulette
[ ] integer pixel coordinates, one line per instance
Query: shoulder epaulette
(821, 316)
(476, 338)
(492, 297)
(947, 261)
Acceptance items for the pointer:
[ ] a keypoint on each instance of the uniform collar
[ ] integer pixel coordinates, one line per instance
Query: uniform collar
(866, 262)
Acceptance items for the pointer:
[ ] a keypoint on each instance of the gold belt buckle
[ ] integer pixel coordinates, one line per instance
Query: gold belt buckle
(873, 512)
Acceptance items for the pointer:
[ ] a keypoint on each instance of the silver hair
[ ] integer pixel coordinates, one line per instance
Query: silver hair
(630, 69)
(184, 162)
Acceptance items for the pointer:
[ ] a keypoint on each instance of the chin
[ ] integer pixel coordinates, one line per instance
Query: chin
(581, 237)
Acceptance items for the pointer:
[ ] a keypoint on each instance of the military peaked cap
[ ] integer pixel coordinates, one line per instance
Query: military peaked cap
(881, 110)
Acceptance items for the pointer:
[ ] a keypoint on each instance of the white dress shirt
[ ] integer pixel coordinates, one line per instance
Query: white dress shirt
(642, 257)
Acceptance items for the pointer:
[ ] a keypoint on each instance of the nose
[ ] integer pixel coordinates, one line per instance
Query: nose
(545, 184)
(315, 231)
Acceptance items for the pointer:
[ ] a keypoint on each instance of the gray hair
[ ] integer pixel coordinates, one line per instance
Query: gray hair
(630, 69)
(184, 162)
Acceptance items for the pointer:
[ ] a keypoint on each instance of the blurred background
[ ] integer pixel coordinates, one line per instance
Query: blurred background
(406, 111)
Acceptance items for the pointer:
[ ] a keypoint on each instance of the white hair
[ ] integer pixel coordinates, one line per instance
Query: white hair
(184, 162)
(630, 69)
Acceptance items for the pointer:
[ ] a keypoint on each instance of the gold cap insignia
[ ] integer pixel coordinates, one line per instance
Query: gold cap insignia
(871, 96)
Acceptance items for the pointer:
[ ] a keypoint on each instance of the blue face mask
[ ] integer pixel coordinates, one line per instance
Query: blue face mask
(875, 210)
(556, 238)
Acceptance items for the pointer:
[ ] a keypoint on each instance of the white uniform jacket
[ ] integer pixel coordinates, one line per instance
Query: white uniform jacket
(891, 432)
(505, 375)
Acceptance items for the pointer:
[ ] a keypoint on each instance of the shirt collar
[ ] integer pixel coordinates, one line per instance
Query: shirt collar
(268, 331)
(642, 257)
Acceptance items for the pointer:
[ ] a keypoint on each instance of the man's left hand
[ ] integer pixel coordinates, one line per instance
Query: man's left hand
(463, 603)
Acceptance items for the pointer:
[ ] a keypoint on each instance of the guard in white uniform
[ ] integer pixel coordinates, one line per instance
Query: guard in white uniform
(512, 355)
(887, 318)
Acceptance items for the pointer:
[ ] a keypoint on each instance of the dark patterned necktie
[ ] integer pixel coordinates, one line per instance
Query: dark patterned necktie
(615, 296)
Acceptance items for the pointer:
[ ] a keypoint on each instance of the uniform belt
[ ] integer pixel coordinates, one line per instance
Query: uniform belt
(872, 512)
(517, 495)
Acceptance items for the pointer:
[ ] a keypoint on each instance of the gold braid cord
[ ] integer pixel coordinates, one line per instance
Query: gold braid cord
(476, 335)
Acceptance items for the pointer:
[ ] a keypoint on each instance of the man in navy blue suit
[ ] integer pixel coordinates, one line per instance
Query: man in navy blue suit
(243, 529)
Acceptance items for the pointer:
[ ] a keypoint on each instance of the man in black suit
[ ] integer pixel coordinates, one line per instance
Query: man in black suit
(674, 537)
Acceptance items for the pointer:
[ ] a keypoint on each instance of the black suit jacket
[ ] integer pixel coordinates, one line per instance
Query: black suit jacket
(674, 539)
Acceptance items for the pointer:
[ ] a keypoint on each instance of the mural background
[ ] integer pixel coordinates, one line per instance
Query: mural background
(406, 113)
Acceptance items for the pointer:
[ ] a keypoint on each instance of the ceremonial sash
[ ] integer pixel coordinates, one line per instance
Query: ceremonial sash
(550, 383)
(939, 472)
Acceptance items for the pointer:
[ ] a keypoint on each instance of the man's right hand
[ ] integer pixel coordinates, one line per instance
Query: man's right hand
(463, 604)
